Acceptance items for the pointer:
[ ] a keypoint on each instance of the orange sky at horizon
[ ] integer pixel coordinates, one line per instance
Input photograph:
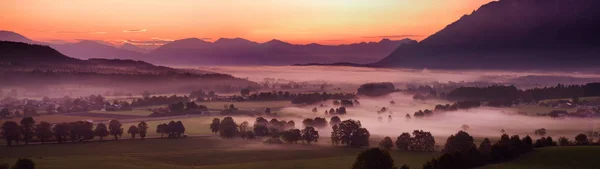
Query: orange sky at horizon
(294, 21)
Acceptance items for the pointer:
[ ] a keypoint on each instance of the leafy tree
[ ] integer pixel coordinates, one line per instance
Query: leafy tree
(260, 127)
(563, 141)
(228, 128)
(179, 128)
(403, 141)
(243, 127)
(61, 131)
(290, 124)
(374, 158)
(43, 131)
(143, 127)
(191, 106)
(162, 129)
(81, 130)
(115, 128)
(319, 122)
(461, 142)
(386, 143)
(582, 139)
(133, 130)
(314, 110)
(214, 126)
(308, 122)
(101, 130)
(540, 132)
(309, 134)
(422, 141)
(334, 121)
(248, 135)
(485, 147)
(527, 143)
(24, 163)
(27, 129)
(350, 133)
(291, 136)
(10, 131)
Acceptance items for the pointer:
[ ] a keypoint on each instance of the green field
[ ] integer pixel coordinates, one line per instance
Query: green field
(199, 152)
(135, 112)
(580, 157)
(248, 105)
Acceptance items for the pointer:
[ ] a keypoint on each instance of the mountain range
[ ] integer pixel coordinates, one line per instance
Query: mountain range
(511, 34)
(225, 51)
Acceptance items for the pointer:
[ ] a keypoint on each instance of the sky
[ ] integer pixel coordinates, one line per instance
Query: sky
(155, 22)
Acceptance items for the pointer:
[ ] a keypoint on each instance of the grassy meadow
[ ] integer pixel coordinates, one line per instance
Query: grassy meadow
(197, 152)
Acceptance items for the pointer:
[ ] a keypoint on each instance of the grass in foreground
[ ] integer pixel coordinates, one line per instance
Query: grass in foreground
(577, 157)
(204, 152)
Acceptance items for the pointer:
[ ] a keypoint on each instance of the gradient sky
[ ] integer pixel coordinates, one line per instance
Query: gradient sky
(295, 21)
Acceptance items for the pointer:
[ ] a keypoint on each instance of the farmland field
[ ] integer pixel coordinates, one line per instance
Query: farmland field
(580, 157)
(201, 152)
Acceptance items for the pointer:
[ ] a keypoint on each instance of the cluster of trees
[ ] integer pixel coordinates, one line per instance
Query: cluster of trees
(350, 133)
(376, 89)
(460, 151)
(445, 108)
(420, 141)
(314, 98)
(317, 122)
(339, 111)
(500, 95)
(172, 129)
(228, 128)
(178, 108)
(148, 100)
(27, 130)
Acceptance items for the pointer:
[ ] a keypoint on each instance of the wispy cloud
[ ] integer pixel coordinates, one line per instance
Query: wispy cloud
(135, 30)
(155, 41)
(333, 40)
(393, 36)
(82, 32)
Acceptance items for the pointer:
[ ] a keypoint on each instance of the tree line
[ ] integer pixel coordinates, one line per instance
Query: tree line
(511, 93)
(27, 130)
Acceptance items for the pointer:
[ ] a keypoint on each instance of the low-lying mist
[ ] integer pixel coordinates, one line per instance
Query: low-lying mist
(482, 122)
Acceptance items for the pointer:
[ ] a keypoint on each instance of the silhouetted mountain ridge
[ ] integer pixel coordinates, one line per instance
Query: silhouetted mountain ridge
(516, 34)
(238, 51)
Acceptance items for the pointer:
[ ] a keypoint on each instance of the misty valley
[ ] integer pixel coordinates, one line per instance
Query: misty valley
(505, 84)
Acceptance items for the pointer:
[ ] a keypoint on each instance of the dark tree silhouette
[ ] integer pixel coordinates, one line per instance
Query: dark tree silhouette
(10, 131)
(43, 131)
(214, 126)
(291, 136)
(143, 127)
(133, 130)
(334, 121)
(101, 130)
(27, 129)
(228, 128)
(582, 139)
(386, 143)
(461, 142)
(309, 134)
(374, 158)
(162, 129)
(115, 128)
(403, 141)
(61, 131)
(24, 163)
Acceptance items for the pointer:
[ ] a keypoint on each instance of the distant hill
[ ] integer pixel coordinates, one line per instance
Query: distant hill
(37, 66)
(133, 48)
(275, 52)
(83, 50)
(513, 34)
(23, 53)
